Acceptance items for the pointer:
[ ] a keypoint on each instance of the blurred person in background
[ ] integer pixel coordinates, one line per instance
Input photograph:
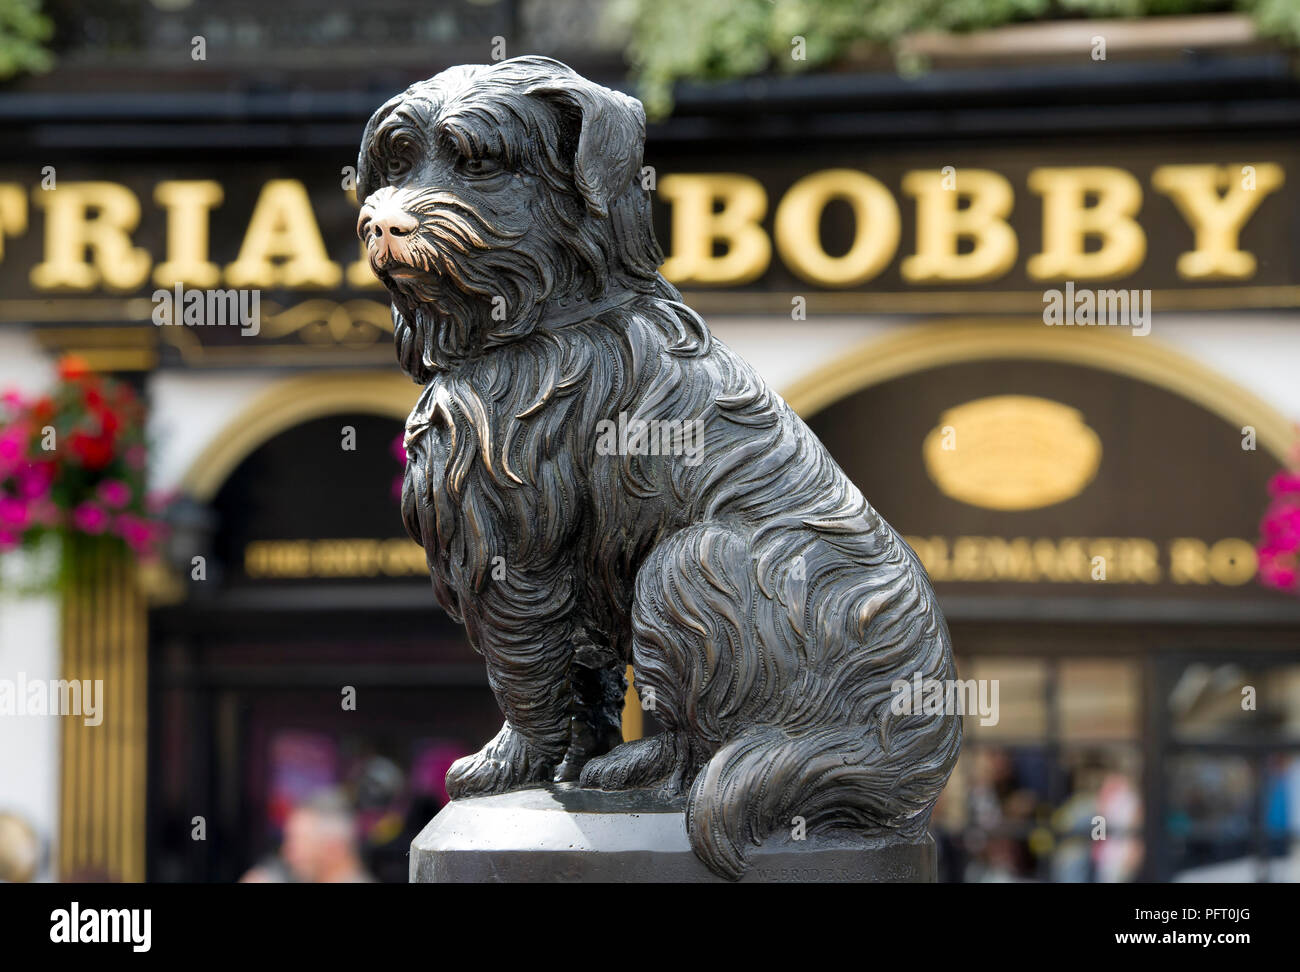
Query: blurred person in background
(1119, 857)
(320, 846)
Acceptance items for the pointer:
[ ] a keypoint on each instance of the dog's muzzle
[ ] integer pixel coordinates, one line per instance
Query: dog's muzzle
(387, 230)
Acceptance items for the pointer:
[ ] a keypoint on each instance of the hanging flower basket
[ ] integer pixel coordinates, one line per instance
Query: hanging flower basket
(73, 465)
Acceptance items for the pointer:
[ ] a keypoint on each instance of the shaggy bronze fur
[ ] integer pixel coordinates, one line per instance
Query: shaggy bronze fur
(767, 609)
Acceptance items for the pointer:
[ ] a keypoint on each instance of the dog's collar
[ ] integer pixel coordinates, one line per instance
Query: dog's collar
(559, 311)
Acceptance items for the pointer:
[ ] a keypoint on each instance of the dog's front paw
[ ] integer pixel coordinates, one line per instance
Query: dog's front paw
(508, 762)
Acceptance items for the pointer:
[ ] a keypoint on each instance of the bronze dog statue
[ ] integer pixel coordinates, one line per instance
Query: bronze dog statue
(767, 609)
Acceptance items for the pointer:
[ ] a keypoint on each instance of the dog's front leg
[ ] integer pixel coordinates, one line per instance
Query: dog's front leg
(525, 629)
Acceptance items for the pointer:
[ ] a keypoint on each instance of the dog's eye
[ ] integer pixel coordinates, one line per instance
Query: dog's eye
(481, 167)
(398, 157)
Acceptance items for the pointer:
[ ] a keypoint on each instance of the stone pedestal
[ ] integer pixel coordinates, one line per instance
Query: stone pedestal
(563, 833)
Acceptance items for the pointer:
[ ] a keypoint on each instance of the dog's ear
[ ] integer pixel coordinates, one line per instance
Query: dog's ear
(368, 175)
(611, 137)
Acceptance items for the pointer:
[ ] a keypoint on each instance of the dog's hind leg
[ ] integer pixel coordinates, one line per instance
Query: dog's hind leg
(693, 583)
(634, 765)
(728, 674)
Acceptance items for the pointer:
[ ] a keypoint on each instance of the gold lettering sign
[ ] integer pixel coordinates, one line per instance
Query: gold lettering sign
(941, 225)
(95, 218)
(1011, 452)
(1230, 561)
(1217, 219)
(348, 558)
(188, 205)
(1068, 223)
(283, 245)
(717, 230)
(13, 212)
(697, 225)
(798, 220)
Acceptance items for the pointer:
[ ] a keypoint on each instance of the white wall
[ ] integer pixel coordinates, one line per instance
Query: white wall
(1260, 352)
(29, 642)
(189, 410)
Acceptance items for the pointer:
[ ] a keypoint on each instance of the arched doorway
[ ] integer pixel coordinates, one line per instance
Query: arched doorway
(308, 651)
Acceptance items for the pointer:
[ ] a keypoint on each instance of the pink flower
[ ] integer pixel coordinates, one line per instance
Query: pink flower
(1278, 569)
(1281, 524)
(139, 533)
(8, 540)
(34, 479)
(13, 513)
(1285, 484)
(114, 493)
(45, 513)
(12, 443)
(90, 518)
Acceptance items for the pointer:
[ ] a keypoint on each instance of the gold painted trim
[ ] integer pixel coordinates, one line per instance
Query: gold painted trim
(114, 360)
(1258, 297)
(739, 301)
(103, 348)
(917, 347)
(103, 772)
(288, 403)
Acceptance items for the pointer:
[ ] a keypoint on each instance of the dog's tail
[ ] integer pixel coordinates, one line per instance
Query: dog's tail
(760, 782)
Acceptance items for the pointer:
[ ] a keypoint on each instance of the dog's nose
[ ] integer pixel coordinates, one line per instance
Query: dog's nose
(384, 218)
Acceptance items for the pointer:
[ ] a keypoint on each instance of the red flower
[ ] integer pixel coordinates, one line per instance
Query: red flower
(108, 421)
(94, 452)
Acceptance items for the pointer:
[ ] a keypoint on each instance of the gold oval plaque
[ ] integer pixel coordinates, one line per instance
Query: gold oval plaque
(1012, 452)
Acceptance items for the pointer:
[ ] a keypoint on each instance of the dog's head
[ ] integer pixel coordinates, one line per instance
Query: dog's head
(496, 195)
